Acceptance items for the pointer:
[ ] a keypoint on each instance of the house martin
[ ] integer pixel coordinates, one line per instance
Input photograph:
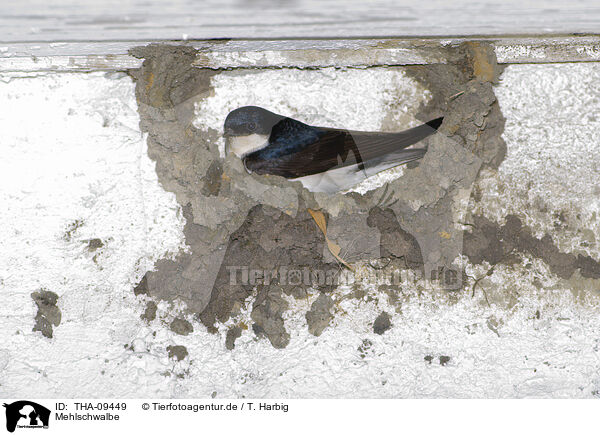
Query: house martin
(323, 159)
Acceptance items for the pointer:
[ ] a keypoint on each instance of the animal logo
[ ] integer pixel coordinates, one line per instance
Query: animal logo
(26, 414)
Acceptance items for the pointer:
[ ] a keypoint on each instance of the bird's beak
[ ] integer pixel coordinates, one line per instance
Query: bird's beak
(228, 132)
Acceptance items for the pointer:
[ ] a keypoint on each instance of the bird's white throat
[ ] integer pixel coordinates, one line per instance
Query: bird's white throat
(243, 145)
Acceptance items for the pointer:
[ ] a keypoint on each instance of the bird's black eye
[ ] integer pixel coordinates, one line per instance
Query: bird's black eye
(252, 126)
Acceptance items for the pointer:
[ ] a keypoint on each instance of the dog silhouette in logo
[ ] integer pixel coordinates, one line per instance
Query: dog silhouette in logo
(30, 412)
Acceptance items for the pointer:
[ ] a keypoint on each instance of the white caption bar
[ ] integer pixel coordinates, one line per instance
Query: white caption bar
(160, 416)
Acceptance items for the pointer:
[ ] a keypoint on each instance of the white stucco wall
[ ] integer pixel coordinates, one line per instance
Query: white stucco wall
(72, 150)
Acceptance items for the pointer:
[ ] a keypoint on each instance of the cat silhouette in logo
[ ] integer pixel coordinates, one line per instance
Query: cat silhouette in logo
(30, 412)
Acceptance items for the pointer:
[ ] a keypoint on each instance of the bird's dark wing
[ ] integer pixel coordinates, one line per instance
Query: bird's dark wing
(297, 150)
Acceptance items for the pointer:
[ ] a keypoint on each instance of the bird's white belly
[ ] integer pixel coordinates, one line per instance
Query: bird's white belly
(340, 179)
(334, 180)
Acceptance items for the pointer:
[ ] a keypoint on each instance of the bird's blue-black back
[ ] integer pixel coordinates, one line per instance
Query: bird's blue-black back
(288, 136)
(296, 149)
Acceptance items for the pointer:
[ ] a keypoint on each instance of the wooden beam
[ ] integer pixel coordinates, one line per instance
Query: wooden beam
(296, 53)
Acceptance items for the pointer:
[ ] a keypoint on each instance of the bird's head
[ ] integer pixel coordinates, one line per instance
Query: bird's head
(248, 128)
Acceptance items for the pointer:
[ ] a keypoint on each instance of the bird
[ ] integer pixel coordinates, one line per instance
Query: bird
(323, 159)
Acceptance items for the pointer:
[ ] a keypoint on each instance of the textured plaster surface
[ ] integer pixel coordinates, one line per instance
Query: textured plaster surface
(83, 218)
(549, 179)
(552, 169)
(81, 173)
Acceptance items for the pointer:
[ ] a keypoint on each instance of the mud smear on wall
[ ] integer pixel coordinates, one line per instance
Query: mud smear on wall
(166, 88)
(270, 253)
(251, 239)
(48, 314)
(177, 352)
(234, 224)
(493, 243)
(462, 92)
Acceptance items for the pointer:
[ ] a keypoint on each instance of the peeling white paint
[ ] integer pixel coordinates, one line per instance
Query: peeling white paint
(591, 51)
(93, 55)
(520, 52)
